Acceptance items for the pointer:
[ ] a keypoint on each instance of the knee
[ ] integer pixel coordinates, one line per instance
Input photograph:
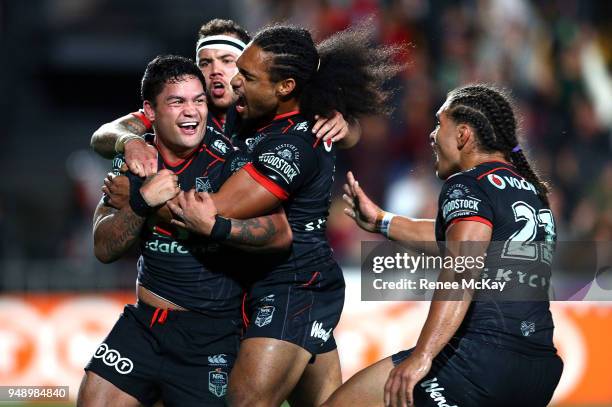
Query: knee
(242, 396)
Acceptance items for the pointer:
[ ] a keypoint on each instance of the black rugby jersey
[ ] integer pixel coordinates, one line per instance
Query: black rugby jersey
(290, 162)
(520, 254)
(184, 269)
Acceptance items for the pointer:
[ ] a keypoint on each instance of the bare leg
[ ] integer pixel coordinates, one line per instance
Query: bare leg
(365, 389)
(98, 392)
(266, 371)
(318, 381)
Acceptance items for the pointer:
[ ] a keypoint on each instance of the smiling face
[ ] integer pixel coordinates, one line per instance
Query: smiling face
(179, 116)
(218, 67)
(257, 95)
(444, 142)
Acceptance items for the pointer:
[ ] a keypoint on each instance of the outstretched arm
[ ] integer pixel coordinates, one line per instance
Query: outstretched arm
(445, 316)
(370, 217)
(124, 135)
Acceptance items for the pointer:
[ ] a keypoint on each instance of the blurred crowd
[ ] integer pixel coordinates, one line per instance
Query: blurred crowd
(554, 57)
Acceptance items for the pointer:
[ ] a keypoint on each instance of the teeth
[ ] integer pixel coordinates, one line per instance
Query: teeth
(188, 124)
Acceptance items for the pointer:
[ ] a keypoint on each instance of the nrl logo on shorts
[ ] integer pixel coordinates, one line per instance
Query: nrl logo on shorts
(203, 185)
(217, 382)
(264, 315)
(527, 328)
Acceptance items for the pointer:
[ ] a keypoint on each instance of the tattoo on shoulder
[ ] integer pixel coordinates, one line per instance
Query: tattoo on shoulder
(255, 231)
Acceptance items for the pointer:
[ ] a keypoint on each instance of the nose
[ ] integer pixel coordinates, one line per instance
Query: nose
(236, 81)
(215, 68)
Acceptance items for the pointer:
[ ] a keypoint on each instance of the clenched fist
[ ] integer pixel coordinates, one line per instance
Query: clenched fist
(160, 188)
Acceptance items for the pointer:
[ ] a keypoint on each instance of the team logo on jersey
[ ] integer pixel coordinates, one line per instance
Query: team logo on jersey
(217, 360)
(527, 328)
(217, 382)
(285, 154)
(496, 181)
(302, 126)
(220, 146)
(202, 184)
(456, 194)
(113, 358)
(317, 331)
(463, 205)
(251, 142)
(264, 315)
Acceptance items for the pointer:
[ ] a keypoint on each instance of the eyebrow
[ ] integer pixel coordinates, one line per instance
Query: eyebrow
(245, 72)
(199, 95)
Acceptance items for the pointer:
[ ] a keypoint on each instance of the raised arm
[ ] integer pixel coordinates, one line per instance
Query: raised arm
(124, 135)
(418, 233)
(445, 315)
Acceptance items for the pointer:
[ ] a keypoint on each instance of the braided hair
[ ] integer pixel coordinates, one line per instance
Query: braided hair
(344, 73)
(490, 112)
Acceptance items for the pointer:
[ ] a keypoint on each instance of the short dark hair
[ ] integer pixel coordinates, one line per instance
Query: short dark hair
(163, 69)
(347, 72)
(219, 27)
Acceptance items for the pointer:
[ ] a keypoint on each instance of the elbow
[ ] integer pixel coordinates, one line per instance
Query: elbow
(103, 256)
(284, 239)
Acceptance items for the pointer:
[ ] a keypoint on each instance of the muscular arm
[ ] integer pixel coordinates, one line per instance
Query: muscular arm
(115, 231)
(445, 316)
(269, 233)
(103, 140)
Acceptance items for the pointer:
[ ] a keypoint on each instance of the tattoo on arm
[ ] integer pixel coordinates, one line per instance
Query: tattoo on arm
(115, 231)
(253, 233)
(104, 139)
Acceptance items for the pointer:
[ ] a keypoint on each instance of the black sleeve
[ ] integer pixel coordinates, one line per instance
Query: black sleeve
(463, 199)
(282, 164)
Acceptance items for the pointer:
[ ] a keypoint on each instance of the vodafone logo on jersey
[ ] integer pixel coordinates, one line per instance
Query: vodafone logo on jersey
(496, 181)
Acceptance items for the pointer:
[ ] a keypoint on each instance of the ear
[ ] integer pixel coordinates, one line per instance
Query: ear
(285, 87)
(465, 134)
(149, 110)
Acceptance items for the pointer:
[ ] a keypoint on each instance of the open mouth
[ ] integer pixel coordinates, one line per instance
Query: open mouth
(240, 104)
(217, 89)
(188, 128)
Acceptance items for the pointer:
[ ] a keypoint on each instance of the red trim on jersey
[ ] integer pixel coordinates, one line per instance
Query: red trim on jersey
(291, 123)
(245, 318)
(213, 154)
(266, 182)
(218, 123)
(288, 114)
(481, 176)
(162, 231)
(311, 279)
(472, 219)
(180, 161)
(143, 119)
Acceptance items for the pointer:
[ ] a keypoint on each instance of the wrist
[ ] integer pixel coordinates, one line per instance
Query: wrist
(383, 222)
(139, 204)
(123, 140)
(221, 230)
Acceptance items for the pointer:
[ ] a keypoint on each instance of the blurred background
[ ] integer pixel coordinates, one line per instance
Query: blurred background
(70, 65)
